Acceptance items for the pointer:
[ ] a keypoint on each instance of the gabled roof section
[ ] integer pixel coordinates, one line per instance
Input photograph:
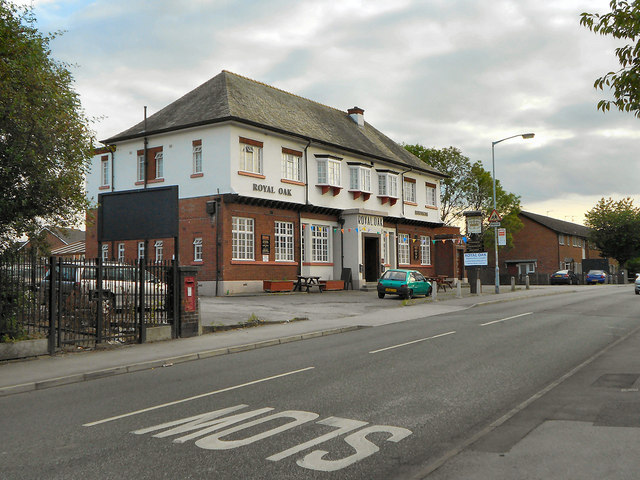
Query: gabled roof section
(228, 96)
(559, 226)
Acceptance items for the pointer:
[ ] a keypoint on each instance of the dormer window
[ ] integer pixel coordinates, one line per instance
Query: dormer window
(360, 181)
(329, 173)
(388, 187)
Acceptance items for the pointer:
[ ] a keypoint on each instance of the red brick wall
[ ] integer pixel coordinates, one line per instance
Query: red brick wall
(534, 241)
(195, 222)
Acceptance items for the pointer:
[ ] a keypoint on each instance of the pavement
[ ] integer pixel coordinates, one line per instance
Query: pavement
(585, 425)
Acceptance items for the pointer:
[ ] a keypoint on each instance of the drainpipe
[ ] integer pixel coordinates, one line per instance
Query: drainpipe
(402, 188)
(306, 174)
(218, 213)
(341, 223)
(146, 144)
(301, 233)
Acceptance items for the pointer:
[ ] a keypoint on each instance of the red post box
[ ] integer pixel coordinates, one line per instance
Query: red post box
(189, 294)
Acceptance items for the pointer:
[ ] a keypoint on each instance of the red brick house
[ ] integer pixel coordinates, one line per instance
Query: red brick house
(64, 242)
(545, 245)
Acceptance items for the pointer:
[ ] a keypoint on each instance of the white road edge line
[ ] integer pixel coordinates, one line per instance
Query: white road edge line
(505, 319)
(156, 407)
(414, 341)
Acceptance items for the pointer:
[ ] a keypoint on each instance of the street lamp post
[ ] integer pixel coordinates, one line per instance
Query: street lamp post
(493, 170)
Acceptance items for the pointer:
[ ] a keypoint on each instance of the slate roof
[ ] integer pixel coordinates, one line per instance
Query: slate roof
(559, 226)
(231, 97)
(67, 235)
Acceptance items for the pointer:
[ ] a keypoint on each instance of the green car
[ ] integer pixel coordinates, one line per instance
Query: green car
(406, 283)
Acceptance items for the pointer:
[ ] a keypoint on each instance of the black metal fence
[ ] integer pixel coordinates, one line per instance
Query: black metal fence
(84, 302)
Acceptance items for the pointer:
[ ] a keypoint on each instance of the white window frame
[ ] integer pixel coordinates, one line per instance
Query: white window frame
(527, 268)
(404, 253)
(104, 172)
(388, 185)
(329, 172)
(197, 249)
(425, 250)
(561, 238)
(242, 232)
(284, 241)
(140, 250)
(320, 243)
(250, 158)
(159, 165)
(431, 196)
(197, 159)
(105, 252)
(141, 167)
(291, 167)
(575, 241)
(121, 252)
(409, 191)
(360, 178)
(159, 249)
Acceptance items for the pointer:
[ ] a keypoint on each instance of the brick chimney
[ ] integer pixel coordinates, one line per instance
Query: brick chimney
(357, 115)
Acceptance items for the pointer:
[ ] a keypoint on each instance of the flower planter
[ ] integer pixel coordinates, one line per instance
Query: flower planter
(277, 285)
(332, 284)
(24, 348)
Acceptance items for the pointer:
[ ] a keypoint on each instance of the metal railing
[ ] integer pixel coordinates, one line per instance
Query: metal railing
(91, 301)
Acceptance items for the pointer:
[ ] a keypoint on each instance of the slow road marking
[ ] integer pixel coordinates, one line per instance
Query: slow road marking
(505, 319)
(202, 395)
(414, 341)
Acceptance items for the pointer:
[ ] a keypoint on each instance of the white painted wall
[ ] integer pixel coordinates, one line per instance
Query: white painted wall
(221, 162)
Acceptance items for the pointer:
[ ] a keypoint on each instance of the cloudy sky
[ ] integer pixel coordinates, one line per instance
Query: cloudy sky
(441, 73)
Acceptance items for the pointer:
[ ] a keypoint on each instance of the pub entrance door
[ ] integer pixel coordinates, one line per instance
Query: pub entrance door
(371, 258)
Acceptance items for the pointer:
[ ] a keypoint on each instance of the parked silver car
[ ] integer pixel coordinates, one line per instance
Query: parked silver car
(120, 284)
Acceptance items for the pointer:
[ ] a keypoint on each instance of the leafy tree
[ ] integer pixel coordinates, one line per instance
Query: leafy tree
(454, 190)
(615, 228)
(45, 142)
(507, 204)
(622, 22)
(470, 187)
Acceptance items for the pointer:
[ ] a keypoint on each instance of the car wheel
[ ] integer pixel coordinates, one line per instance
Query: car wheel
(637, 292)
(409, 294)
(380, 295)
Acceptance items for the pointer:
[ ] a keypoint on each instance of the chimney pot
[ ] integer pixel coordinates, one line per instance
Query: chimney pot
(357, 115)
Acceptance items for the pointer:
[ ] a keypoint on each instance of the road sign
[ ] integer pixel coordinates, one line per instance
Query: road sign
(494, 224)
(475, 259)
(502, 236)
(494, 217)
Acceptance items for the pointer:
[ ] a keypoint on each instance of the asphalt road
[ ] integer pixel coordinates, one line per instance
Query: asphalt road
(376, 403)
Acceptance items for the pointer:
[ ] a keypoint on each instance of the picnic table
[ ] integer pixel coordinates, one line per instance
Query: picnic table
(442, 282)
(307, 282)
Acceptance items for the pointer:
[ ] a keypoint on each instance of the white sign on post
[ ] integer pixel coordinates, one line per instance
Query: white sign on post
(502, 236)
(474, 225)
(475, 259)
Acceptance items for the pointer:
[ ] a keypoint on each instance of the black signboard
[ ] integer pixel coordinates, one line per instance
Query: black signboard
(138, 214)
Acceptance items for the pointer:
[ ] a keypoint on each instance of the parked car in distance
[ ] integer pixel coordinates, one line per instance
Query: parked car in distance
(405, 283)
(595, 276)
(567, 277)
(120, 283)
(637, 285)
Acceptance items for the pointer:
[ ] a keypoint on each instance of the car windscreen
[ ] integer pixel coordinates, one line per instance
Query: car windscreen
(392, 275)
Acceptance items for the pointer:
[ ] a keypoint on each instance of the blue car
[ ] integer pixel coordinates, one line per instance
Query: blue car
(637, 284)
(595, 276)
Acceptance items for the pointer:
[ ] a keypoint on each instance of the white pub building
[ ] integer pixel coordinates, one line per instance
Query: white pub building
(272, 185)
